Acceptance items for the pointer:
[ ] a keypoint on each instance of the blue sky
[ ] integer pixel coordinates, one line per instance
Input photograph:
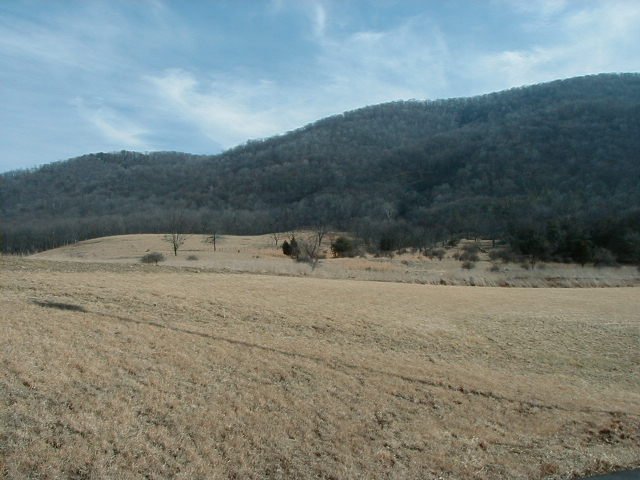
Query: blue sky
(200, 76)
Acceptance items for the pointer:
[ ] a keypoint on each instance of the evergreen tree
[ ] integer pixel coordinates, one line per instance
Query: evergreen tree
(286, 248)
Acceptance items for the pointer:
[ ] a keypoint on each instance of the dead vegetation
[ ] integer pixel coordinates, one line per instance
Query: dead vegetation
(468, 263)
(169, 372)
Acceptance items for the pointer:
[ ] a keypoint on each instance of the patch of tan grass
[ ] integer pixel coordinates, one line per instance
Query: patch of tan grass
(258, 254)
(169, 373)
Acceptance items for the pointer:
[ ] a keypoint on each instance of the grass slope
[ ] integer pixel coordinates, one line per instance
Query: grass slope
(258, 254)
(122, 371)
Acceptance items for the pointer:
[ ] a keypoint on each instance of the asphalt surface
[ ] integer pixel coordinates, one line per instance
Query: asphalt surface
(628, 475)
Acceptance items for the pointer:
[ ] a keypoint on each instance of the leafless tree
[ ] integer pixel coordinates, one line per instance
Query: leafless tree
(212, 239)
(276, 237)
(310, 247)
(178, 229)
(319, 232)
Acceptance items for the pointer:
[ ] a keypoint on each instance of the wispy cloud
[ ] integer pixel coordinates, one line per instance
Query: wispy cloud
(112, 125)
(407, 61)
(347, 71)
(227, 110)
(81, 65)
(154, 74)
(35, 43)
(319, 19)
(592, 39)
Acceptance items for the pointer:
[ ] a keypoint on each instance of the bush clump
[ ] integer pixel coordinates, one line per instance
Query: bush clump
(192, 257)
(438, 253)
(343, 247)
(469, 253)
(291, 248)
(286, 248)
(468, 265)
(153, 257)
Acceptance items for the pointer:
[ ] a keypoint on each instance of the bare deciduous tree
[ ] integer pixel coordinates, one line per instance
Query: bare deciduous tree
(319, 232)
(177, 235)
(212, 238)
(310, 248)
(276, 237)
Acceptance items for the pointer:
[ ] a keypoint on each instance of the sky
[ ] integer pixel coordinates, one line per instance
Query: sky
(82, 76)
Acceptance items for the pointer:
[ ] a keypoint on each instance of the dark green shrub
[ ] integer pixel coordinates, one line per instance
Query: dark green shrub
(286, 248)
(295, 249)
(342, 247)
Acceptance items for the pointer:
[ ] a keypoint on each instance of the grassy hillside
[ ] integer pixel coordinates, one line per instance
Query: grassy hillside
(561, 155)
(259, 255)
(120, 371)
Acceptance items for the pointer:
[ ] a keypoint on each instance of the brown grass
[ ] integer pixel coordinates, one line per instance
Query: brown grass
(131, 371)
(259, 255)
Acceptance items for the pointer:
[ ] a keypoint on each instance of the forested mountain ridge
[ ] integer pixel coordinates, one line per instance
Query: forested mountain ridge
(559, 159)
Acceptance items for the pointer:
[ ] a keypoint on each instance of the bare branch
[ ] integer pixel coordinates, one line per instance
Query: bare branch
(177, 235)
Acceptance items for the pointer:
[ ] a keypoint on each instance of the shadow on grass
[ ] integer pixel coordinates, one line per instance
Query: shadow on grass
(60, 306)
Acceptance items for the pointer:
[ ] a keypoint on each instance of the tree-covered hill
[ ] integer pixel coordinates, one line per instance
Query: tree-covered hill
(557, 163)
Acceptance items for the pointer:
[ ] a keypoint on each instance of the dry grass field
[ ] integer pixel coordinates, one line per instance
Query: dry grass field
(124, 370)
(258, 254)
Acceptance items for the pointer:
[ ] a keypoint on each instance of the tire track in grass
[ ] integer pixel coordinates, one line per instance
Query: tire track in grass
(340, 365)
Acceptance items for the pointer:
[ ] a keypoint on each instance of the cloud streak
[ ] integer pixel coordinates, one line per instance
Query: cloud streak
(593, 39)
(106, 75)
(226, 110)
(115, 128)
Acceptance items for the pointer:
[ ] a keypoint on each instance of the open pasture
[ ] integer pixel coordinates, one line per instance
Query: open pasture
(259, 254)
(123, 370)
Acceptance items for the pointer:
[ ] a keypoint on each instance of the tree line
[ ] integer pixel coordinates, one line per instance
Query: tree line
(544, 167)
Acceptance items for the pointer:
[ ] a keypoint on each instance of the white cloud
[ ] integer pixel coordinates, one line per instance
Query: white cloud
(227, 110)
(142, 77)
(365, 67)
(349, 71)
(84, 63)
(319, 19)
(113, 127)
(592, 39)
(39, 44)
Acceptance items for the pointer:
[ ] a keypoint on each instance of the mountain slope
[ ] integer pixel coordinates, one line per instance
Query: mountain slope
(559, 153)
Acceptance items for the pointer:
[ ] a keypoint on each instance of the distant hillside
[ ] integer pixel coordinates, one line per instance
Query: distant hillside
(559, 159)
